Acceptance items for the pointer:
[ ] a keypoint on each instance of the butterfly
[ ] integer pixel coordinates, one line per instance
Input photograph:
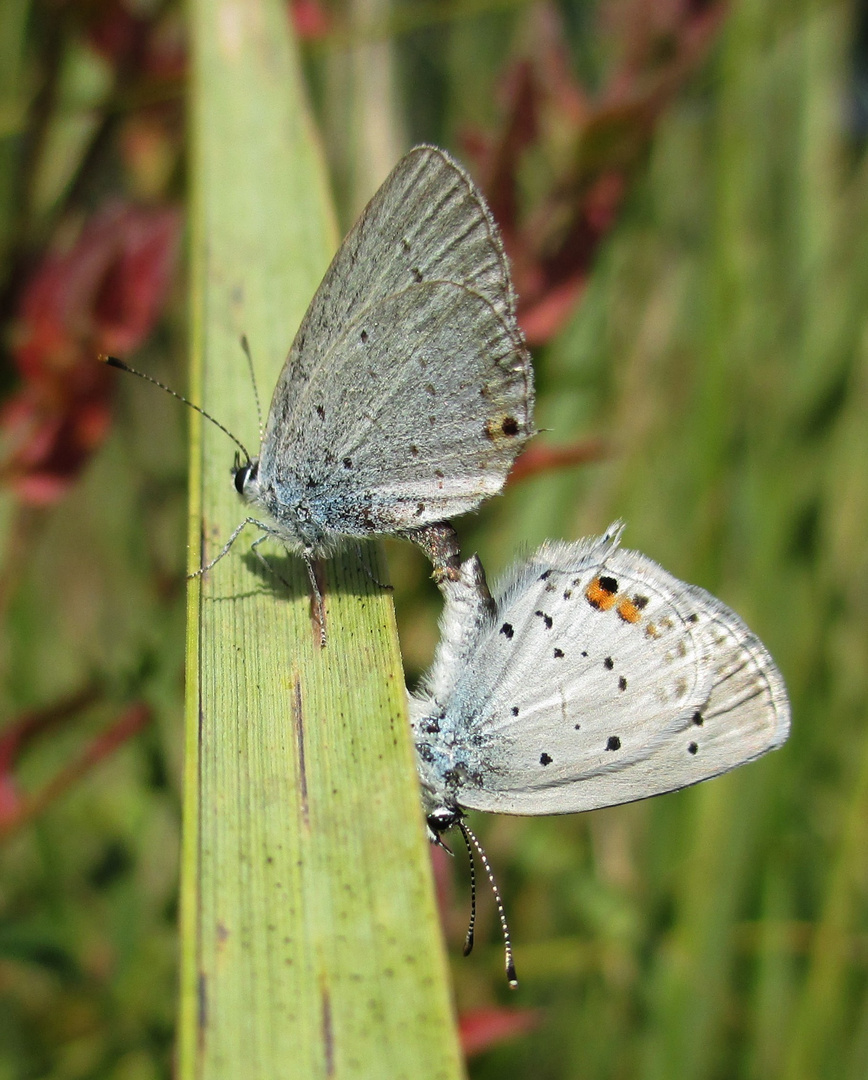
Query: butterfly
(408, 390)
(591, 677)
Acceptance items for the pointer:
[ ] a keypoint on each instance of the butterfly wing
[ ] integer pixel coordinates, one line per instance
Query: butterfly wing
(425, 409)
(604, 679)
(408, 379)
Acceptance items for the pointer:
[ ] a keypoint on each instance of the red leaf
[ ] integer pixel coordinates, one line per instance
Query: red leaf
(592, 145)
(310, 20)
(16, 810)
(10, 799)
(540, 458)
(101, 295)
(481, 1029)
(149, 43)
(115, 31)
(133, 285)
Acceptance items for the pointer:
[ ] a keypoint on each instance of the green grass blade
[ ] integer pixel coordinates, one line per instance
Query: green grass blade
(310, 937)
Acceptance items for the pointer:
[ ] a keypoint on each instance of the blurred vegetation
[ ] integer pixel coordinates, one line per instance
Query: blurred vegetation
(714, 346)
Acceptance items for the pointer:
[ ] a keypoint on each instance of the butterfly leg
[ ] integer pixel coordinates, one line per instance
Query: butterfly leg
(440, 543)
(318, 603)
(265, 563)
(310, 564)
(236, 533)
(367, 572)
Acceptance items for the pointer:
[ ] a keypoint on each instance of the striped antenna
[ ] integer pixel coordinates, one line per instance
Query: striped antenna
(113, 361)
(245, 345)
(471, 926)
(507, 944)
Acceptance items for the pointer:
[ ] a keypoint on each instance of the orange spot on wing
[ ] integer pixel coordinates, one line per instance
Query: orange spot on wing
(628, 610)
(599, 597)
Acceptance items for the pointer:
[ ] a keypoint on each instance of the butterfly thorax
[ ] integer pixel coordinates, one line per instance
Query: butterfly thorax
(440, 778)
(442, 764)
(293, 520)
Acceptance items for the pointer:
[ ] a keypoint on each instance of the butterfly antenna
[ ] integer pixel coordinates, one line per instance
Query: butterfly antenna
(511, 977)
(113, 361)
(245, 345)
(471, 926)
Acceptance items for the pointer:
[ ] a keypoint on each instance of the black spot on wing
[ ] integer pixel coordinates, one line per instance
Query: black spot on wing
(545, 759)
(547, 619)
(613, 743)
(507, 630)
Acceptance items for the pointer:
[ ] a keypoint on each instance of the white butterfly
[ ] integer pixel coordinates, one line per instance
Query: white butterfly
(593, 677)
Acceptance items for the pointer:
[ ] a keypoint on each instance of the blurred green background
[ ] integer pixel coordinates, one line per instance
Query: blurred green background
(701, 337)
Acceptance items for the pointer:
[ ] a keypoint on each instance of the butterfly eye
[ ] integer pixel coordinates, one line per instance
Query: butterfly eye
(240, 475)
(244, 474)
(442, 818)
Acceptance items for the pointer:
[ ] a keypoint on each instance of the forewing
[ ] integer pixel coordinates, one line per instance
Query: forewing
(416, 415)
(427, 222)
(605, 681)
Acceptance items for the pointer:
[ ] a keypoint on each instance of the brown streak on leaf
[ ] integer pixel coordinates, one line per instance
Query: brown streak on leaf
(298, 724)
(328, 1037)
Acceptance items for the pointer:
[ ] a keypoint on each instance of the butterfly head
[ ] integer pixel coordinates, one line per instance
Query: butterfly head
(246, 477)
(440, 820)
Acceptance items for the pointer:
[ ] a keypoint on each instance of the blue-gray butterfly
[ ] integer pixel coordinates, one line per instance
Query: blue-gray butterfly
(408, 391)
(591, 678)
